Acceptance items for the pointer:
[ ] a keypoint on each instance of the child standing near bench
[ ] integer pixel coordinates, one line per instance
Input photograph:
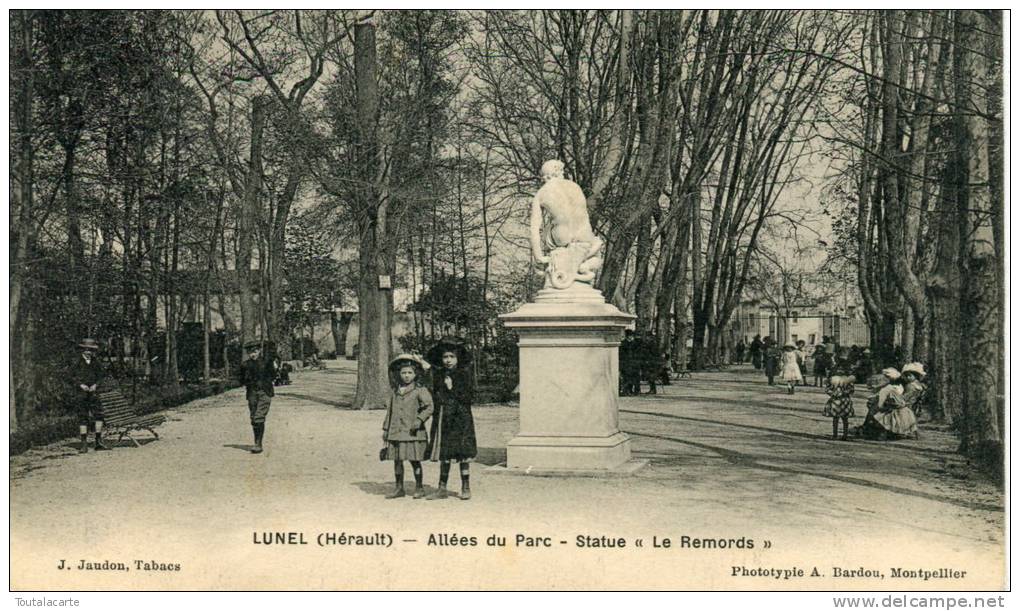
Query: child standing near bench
(87, 376)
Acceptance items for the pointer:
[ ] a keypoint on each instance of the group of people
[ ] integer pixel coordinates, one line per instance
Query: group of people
(451, 437)
(410, 408)
(788, 362)
(894, 397)
(640, 360)
(893, 402)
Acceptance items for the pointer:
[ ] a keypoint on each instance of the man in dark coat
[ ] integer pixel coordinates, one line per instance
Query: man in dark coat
(87, 374)
(756, 351)
(739, 350)
(630, 365)
(257, 374)
(772, 357)
(650, 360)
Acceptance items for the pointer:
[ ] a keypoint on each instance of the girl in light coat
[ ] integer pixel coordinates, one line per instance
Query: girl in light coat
(410, 406)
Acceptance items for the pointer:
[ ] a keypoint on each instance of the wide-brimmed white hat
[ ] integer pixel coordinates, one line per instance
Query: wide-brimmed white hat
(411, 358)
(891, 372)
(917, 368)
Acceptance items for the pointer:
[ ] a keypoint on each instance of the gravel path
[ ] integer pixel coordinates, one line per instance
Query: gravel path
(731, 460)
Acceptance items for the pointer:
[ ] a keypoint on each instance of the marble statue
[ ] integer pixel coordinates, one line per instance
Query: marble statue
(573, 248)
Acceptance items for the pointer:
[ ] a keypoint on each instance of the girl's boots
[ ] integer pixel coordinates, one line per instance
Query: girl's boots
(419, 490)
(398, 489)
(444, 476)
(465, 482)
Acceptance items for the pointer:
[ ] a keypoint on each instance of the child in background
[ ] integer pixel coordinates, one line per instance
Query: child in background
(802, 360)
(404, 428)
(791, 371)
(840, 405)
(823, 362)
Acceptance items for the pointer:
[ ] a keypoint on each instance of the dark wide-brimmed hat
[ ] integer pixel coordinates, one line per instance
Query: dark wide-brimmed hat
(89, 344)
(789, 347)
(449, 343)
(252, 345)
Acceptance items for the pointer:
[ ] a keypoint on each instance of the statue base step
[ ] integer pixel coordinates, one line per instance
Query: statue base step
(562, 453)
(627, 469)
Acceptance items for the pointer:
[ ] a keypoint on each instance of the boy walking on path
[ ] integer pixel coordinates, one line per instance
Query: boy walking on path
(257, 374)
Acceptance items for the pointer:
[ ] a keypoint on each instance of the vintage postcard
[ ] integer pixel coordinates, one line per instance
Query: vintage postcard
(507, 300)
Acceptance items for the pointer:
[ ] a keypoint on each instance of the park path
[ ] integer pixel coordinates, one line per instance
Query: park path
(729, 458)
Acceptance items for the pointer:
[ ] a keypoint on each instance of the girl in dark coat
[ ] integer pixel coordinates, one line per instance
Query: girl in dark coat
(453, 428)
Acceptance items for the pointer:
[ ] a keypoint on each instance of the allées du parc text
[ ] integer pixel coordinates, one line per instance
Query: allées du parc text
(587, 541)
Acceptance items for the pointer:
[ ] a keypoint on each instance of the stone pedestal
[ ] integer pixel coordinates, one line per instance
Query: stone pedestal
(569, 362)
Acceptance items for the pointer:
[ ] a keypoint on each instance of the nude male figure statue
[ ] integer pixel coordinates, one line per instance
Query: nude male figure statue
(573, 246)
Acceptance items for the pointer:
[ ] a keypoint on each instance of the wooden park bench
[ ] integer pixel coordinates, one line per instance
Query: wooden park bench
(679, 374)
(119, 415)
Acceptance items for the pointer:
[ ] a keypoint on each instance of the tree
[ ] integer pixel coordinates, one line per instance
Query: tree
(919, 140)
(387, 121)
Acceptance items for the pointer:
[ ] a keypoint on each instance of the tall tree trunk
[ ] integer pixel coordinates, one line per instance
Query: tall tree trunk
(902, 205)
(277, 249)
(983, 340)
(699, 314)
(644, 303)
(681, 328)
(24, 178)
(250, 209)
(375, 305)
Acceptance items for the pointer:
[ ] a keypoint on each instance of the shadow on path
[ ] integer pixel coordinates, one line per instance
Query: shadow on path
(738, 402)
(238, 446)
(378, 488)
(822, 437)
(313, 399)
(126, 443)
(384, 488)
(491, 456)
(746, 460)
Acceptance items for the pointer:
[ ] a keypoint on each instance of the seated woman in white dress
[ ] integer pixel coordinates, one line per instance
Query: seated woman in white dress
(889, 416)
